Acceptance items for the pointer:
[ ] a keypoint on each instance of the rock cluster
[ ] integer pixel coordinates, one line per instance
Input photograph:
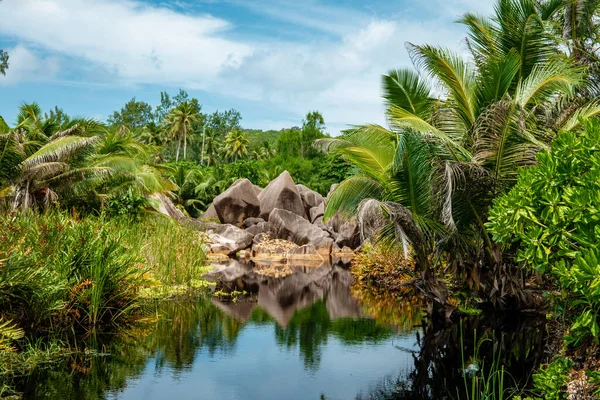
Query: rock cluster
(287, 216)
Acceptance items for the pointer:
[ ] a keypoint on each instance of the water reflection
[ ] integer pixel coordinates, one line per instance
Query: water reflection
(300, 337)
(281, 298)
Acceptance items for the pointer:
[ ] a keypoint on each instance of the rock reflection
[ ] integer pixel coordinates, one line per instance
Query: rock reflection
(312, 313)
(281, 298)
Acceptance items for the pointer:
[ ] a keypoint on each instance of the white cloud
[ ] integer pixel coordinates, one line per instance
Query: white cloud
(341, 78)
(138, 43)
(27, 65)
(129, 42)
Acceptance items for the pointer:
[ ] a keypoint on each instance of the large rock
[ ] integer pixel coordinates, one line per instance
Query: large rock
(308, 252)
(309, 197)
(290, 226)
(165, 206)
(261, 227)
(324, 247)
(248, 222)
(229, 239)
(348, 235)
(210, 213)
(371, 219)
(316, 212)
(237, 203)
(281, 193)
(334, 223)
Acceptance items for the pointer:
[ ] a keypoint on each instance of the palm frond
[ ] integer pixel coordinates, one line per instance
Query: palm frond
(404, 88)
(348, 195)
(547, 80)
(58, 150)
(454, 73)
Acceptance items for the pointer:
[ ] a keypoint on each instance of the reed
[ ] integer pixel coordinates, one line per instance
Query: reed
(483, 382)
(60, 271)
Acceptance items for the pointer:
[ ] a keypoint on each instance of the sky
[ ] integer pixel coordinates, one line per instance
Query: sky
(273, 60)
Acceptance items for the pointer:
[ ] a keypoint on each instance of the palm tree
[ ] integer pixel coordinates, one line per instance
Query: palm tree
(152, 134)
(31, 180)
(84, 160)
(443, 159)
(179, 122)
(236, 144)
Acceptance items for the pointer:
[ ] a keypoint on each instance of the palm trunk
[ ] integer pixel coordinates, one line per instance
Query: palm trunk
(203, 139)
(26, 204)
(178, 148)
(184, 142)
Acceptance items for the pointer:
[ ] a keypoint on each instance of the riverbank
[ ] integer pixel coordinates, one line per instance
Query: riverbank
(384, 280)
(63, 275)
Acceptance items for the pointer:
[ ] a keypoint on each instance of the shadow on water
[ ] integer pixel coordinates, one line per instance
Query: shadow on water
(303, 336)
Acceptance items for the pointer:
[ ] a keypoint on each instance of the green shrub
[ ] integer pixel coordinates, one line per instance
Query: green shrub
(57, 270)
(551, 379)
(129, 203)
(551, 220)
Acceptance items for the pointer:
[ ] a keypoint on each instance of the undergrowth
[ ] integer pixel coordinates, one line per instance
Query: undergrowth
(61, 273)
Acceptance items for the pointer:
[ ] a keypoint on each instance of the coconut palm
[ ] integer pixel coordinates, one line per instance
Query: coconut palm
(179, 123)
(84, 160)
(152, 134)
(236, 144)
(31, 181)
(443, 159)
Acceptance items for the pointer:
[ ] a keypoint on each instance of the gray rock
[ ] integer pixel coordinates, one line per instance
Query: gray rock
(306, 252)
(316, 212)
(165, 206)
(333, 224)
(237, 203)
(281, 193)
(210, 213)
(231, 238)
(289, 226)
(310, 198)
(323, 246)
(261, 227)
(371, 219)
(319, 223)
(257, 189)
(248, 222)
(348, 235)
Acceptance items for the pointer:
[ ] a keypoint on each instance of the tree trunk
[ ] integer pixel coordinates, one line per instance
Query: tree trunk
(184, 142)
(203, 139)
(178, 148)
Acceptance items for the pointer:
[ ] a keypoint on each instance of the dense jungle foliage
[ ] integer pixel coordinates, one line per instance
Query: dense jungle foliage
(487, 170)
(487, 176)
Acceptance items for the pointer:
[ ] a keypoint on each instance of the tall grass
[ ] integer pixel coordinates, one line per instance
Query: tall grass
(58, 270)
(483, 382)
(174, 254)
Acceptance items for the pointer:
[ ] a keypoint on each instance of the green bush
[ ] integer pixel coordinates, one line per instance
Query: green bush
(129, 203)
(57, 270)
(551, 379)
(551, 220)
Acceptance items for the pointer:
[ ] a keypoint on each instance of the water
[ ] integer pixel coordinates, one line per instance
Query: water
(300, 337)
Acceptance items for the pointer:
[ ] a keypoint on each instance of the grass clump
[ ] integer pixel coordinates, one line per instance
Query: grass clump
(60, 274)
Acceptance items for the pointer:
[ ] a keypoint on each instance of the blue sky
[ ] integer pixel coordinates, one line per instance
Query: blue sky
(272, 60)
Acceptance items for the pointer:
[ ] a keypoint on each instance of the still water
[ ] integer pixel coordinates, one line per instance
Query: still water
(303, 336)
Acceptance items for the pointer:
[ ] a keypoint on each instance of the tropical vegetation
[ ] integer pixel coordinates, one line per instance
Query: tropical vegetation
(486, 176)
(443, 160)
(486, 171)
